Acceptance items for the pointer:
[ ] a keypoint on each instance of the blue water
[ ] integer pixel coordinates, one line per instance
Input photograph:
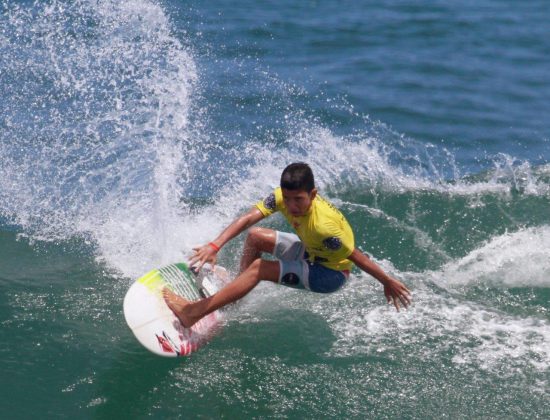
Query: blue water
(131, 131)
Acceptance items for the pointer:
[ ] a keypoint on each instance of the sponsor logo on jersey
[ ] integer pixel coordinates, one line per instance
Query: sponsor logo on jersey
(269, 202)
(333, 243)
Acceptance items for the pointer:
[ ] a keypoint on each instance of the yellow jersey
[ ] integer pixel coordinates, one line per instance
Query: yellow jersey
(324, 230)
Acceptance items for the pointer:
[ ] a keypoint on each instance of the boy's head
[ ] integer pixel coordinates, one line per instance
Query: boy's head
(298, 176)
(298, 188)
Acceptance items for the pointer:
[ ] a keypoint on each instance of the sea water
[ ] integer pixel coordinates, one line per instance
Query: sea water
(131, 131)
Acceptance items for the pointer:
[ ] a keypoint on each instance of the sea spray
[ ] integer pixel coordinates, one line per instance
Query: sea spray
(106, 139)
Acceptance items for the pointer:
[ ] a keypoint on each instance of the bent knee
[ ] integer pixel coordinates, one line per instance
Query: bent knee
(258, 233)
(254, 233)
(255, 265)
(261, 238)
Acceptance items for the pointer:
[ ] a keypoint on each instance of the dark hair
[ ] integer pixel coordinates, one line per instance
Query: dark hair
(298, 176)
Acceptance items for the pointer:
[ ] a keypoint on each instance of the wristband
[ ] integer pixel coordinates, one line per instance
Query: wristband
(214, 246)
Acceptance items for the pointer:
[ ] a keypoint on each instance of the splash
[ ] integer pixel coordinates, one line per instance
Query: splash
(97, 126)
(464, 333)
(103, 136)
(518, 259)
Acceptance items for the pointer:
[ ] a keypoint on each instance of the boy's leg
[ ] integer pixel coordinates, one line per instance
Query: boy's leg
(258, 240)
(190, 312)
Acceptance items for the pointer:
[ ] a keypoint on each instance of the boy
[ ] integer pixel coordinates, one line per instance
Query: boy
(319, 258)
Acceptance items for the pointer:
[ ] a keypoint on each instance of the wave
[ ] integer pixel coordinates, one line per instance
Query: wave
(515, 259)
(106, 138)
(463, 333)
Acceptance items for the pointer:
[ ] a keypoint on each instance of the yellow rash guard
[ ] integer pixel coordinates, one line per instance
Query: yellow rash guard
(324, 231)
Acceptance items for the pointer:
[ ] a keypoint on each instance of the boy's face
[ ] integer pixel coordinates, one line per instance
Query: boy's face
(298, 202)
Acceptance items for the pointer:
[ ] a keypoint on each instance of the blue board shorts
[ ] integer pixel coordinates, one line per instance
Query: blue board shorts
(298, 272)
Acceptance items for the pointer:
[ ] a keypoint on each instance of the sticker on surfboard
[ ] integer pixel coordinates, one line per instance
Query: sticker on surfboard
(155, 325)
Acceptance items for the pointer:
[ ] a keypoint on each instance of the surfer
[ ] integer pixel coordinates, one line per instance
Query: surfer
(318, 258)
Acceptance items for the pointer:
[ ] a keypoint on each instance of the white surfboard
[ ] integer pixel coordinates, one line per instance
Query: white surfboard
(155, 325)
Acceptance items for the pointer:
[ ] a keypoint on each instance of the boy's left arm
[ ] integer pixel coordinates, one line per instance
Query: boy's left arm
(394, 290)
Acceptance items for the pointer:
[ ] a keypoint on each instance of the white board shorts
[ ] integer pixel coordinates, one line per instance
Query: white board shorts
(299, 273)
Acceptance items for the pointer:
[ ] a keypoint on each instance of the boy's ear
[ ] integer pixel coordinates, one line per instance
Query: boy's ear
(313, 194)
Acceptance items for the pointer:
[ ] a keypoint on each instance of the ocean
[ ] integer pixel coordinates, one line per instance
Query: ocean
(131, 131)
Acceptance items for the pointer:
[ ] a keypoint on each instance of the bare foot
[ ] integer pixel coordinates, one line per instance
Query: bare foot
(179, 306)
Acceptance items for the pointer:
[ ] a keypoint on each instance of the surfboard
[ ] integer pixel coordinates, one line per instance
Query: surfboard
(155, 325)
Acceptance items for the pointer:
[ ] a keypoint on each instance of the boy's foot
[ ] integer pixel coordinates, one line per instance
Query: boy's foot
(179, 306)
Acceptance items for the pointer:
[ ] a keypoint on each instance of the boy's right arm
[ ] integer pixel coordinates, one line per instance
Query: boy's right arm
(395, 291)
(208, 252)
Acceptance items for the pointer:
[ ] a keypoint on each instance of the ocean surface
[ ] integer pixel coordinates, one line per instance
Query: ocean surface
(131, 131)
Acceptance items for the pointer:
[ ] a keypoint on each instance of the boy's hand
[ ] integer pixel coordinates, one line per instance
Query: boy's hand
(396, 292)
(203, 254)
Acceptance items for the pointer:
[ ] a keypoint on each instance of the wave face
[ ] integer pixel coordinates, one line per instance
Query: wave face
(131, 131)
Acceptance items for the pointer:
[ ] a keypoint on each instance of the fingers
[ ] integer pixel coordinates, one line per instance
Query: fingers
(199, 262)
(198, 266)
(395, 303)
(210, 259)
(196, 256)
(193, 259)
(202, 255)
(391, 298)
(398, 295)
(405, 299)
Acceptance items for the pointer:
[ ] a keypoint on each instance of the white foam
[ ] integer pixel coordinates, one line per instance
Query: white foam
(513, 259)
(467, 333)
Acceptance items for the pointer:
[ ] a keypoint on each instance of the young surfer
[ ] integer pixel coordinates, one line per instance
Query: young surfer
(318, 258)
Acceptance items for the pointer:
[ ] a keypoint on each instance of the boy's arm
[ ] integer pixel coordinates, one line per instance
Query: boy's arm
(208, 252)
(394, 290)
